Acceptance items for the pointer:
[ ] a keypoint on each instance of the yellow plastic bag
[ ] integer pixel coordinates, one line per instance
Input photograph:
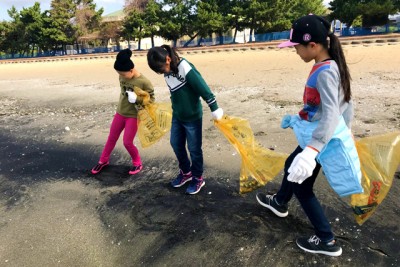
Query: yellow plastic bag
(154, 119)
(257, 162)
(379, 158)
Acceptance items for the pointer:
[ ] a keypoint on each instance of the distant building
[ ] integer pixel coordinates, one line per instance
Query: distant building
(145, 43)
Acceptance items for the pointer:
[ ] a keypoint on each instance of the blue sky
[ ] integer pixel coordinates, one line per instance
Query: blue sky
(108, 5)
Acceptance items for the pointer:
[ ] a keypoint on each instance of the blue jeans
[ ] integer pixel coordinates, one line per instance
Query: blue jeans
(190, 133)
(304, 193)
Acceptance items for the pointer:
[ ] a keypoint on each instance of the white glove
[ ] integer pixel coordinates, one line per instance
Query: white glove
(217, 114)
(302, 166)
(131, 96)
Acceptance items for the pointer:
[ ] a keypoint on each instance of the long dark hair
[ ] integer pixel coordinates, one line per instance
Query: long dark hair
(157, 56)
(336, 53)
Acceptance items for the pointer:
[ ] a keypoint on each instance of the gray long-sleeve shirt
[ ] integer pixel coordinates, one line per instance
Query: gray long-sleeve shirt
(324, 101)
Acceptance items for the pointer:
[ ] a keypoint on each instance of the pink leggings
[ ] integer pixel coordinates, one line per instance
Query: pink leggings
(118, 124)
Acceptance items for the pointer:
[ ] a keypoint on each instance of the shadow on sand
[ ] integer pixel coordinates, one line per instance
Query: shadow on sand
(159, 226)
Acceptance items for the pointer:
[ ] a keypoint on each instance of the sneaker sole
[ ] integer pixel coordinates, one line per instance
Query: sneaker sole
(134, 172)
(179, 185)
(195, 192)
(276, 212)
(328, 253)
(96, 172)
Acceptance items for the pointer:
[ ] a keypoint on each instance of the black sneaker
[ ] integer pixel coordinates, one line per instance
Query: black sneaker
(269, 202)
(314, 245)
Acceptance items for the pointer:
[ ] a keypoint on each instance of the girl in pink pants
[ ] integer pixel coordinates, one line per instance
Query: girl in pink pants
(126, 116)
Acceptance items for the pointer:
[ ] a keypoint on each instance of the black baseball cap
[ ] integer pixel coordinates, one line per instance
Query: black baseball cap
(310, 28)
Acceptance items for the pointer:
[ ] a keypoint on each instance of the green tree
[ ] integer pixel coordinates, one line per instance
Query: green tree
(3, 31)
(269, 15)
(32, 21)
(344, 10)
(376, 12)
(87, 20)
(15, 38)
(236, 17)
(397, 4)
(177, 19)
(280, 14)
(111, 30)
(151, 19)
(139, 5)
(58, 27)
(254, 11)
(225, 9)
(209, 19)
(133, 25)
(373, 12)
(305, 7)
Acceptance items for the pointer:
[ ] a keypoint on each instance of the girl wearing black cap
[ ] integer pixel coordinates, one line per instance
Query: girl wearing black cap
(127, 111)
(186, 87)
(326, 115)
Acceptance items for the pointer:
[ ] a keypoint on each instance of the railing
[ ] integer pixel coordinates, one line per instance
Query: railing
(359, 31)
(271, 36)
(264, 37)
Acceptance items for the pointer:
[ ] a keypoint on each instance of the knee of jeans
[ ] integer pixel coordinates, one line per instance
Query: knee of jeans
(196, 154)
(194, 147)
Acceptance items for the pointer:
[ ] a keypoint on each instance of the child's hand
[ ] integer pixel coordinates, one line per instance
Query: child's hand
(217, 114)
(131, 97)
(302, 166)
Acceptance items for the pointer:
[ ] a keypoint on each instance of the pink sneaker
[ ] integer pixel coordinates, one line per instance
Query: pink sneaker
(136, 169)
(96, 169)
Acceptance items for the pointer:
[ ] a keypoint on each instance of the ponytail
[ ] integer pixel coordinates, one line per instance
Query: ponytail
(157, 56)
(336, 53)
(174, 58)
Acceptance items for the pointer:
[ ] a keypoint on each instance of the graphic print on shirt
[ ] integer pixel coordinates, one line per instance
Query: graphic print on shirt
(177, 81)
(311, 96)
(126, 87)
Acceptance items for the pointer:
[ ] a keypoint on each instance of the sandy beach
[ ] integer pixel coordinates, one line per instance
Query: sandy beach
(55, 118)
